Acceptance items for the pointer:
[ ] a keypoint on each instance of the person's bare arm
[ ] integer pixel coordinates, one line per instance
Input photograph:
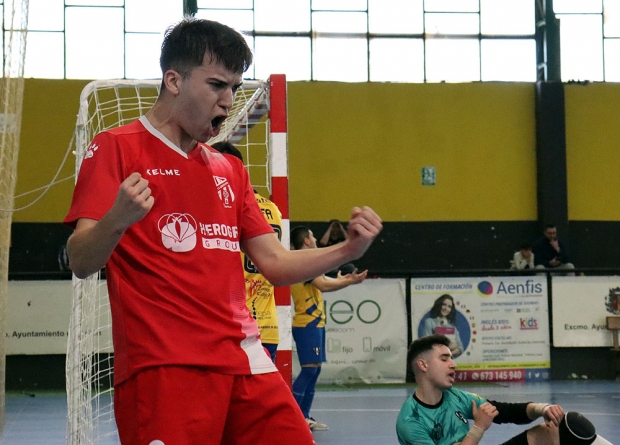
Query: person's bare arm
(483, 418)
(328, 284)
(283, 267)
(552, 414)
(325, 238)
(338, 226)
(334, 226)
(92, 242)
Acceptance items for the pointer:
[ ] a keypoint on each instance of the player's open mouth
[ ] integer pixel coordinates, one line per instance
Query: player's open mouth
(217, 122)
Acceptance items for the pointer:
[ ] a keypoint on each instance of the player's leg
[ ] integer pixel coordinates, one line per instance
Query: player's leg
(574, 428)
(263, 411)
(519, 439)
(304, 384)
(272, 349)
(538, 435)
(175, 405)
(310, 343)
(306, 355)
(306, 402)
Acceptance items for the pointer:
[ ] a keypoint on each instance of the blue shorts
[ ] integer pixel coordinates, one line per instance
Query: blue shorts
(310, 343)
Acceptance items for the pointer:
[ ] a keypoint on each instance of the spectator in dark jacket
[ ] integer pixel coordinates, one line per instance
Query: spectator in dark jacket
(550, 252)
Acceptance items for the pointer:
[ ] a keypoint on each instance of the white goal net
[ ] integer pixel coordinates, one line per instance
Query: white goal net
(15, 24)
(105, 105)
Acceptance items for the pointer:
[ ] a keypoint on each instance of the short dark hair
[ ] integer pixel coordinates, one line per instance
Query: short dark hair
(424, 344)
(298, 235)
(228, 148)
(525, 246)
(186, 44)
(549, 226)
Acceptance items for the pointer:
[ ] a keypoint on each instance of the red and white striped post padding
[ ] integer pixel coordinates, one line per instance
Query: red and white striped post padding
(279, 195)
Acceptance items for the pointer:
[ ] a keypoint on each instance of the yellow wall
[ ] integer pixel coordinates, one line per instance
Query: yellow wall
(365, 144)
(593, 151)
(48, 119)
(350, 144)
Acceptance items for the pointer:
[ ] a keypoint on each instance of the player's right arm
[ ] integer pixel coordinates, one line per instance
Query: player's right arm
(328, 284)
(483, 418)
(92, 242)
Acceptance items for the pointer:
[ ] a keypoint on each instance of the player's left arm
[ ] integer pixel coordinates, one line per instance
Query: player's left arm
(283, 267)
(511, 412)
(522, 413)
(552, 414)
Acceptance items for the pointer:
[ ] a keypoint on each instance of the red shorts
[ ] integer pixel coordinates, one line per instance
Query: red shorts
(175, 405)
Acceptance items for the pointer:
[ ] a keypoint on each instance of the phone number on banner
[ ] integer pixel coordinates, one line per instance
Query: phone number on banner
(502, 375)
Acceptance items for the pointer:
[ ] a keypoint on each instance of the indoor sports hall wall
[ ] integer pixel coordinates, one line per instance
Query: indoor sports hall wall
(367, 143)
(352, 144)
(593, 158)
(49, 114)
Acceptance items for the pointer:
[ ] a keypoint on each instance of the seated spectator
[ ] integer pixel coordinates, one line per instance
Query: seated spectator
(550, 252)
(523, 259)
(334, 234)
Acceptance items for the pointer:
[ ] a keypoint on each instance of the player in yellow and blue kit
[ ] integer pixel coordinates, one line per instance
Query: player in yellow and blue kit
(309, 324)
(260, 297)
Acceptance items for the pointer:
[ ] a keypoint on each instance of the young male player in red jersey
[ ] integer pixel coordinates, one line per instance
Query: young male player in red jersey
(167, 216)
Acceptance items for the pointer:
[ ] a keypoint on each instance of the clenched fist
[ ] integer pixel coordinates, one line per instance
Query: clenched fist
(133, 200)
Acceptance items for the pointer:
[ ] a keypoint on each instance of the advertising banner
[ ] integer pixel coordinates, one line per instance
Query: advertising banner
(498, 326)
(581, 306)
(38, 317)
(366, 334)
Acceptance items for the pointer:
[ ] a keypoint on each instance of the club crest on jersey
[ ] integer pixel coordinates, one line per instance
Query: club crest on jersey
(224, 191)
(90, 152)
(178, 231)
(460, 416)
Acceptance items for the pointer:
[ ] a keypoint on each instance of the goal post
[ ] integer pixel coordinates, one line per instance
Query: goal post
(14, 28)
(257, 125)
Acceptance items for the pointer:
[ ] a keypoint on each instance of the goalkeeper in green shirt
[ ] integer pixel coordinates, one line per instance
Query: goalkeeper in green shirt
(438, 414)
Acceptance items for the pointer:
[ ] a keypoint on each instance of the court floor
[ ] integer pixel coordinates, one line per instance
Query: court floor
(356, 416)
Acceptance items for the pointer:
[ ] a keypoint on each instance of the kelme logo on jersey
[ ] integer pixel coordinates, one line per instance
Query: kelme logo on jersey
(485, 289)
(224, 191)
(178, 231)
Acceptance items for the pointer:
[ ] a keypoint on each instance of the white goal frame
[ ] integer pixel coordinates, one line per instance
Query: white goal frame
(257, 125)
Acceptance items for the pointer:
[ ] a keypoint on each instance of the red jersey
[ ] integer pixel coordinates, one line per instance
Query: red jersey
(175, 282)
